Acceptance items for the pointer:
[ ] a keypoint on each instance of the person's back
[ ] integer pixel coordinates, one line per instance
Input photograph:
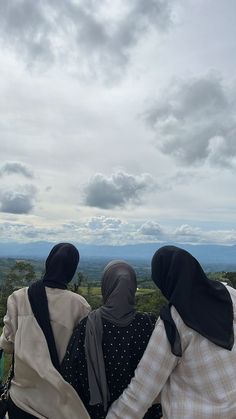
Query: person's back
(122, 347)
(190, 360)
(203, 382)
(114, 338)
(37, 388)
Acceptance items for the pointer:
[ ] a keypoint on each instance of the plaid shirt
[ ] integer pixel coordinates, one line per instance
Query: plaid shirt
(199, 385)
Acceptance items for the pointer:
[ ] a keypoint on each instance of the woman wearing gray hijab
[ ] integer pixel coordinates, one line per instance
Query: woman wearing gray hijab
(106, 347)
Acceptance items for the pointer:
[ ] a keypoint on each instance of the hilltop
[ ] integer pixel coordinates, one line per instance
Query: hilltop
(212, 257)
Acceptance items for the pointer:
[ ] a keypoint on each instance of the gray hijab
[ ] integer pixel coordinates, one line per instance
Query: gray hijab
(119, 285)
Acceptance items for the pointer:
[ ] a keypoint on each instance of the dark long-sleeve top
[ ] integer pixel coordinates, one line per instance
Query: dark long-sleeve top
(123, 348)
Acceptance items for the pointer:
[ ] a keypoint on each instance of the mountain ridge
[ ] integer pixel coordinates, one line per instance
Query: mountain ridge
(205, 253)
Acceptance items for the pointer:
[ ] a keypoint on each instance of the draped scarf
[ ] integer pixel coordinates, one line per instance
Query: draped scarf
(119, 285)
(60, 268)
(204, 305)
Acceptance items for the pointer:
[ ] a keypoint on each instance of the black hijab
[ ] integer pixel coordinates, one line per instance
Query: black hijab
(60, 266)
(204, 305)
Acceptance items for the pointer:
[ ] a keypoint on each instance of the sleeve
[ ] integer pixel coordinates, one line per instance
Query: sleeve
(10, 326)
(150, 377)
(85, 308)
(71, 364)
(152, 319)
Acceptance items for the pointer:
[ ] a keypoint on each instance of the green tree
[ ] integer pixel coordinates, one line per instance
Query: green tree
(230, 277)
(150, 301)
(80, 281)
(20, 275)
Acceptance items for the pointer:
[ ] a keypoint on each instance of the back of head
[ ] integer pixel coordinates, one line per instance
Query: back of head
(120, 277)
(61, 265)
(172, 267)
(119, 285)
(204, 305)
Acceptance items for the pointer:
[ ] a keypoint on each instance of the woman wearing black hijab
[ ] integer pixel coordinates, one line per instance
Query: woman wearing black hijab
(106, 347)
(38, 326)
(190, 361)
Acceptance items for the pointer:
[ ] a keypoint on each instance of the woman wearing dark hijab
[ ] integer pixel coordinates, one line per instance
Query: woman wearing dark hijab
(190, 361)
(38, 326)
(106, 347)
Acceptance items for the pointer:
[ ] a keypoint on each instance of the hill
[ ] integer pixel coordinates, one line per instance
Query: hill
(213, 257)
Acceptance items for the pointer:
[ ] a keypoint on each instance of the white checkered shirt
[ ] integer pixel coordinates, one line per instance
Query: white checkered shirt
(199, 385)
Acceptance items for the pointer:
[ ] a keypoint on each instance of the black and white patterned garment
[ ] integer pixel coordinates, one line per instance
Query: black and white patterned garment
(123, 348)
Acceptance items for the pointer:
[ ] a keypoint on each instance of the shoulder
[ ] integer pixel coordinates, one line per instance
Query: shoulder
(78, 305)
(181, 326)
(76, 301)
(18, 303)
(79, 330)
(232, 292)
(146, 317)
(77, 298)
(18, 295)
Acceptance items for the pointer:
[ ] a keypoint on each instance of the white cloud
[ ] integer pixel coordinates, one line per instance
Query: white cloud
(64, 124)
(187, 233)
(102, 222)
(151, 228)
(195, 121)
(116, 190)
(114, 231)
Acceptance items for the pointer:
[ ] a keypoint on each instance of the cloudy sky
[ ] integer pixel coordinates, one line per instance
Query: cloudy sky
(118, 121)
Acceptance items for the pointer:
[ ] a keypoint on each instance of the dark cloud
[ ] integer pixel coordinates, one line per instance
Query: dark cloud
(26, 26)
(9, 168)
(20, 201)
(116, 191)
(43, 31)
(195, 121)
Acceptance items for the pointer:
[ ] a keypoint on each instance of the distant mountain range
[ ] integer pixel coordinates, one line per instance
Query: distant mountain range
(218, 255)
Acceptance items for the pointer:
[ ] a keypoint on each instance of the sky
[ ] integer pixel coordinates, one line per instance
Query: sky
(118, 121)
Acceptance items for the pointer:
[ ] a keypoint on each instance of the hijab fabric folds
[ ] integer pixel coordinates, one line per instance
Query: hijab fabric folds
(204, 305)
(119, 285)
(61, 265)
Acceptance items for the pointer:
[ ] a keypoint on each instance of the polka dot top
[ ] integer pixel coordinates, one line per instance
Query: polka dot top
(123, 348)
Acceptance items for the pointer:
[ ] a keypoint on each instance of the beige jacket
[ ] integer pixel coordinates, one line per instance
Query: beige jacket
(199, 385)
(37, 387)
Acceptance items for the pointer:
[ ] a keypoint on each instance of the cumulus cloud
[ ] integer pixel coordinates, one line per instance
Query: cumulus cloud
(90, 33)
(117, 190)
(104, 223)
(187, 233)
(19, 201)
(195, 121)
(152, 229)
(14, 167)
(192, 234)
(113, 231)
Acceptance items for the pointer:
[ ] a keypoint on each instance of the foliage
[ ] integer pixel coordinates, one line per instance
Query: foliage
(226, 277)
(150, 301)
(21, 274)
(230, 277)
(147, 300)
